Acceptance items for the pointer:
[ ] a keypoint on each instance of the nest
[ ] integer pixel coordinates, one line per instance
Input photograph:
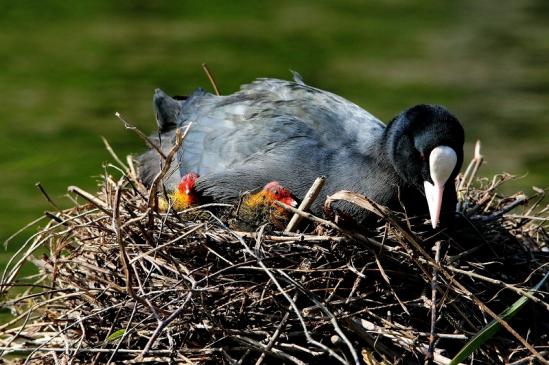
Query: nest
(122, 283)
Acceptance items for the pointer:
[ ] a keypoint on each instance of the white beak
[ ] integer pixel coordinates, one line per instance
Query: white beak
(442, 162)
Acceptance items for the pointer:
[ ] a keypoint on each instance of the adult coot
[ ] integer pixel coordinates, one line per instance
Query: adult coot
(292, 133)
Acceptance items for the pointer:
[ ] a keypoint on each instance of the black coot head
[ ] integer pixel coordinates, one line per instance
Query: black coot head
(425, 147)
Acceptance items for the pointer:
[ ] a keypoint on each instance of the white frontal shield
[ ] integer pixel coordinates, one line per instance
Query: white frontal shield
(442, 162)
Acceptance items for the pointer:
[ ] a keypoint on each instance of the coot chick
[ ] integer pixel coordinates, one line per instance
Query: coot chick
(260, 208)
(185, 196)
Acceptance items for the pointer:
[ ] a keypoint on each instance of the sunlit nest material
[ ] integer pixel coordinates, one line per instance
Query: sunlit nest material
(123, 283)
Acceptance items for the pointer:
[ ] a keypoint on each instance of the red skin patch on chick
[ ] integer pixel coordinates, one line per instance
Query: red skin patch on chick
(186, 195)
(275, 191)
(272, 192)
(188, 183)
(259, 208)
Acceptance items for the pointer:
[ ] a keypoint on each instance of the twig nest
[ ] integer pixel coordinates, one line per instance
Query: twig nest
(124, 282)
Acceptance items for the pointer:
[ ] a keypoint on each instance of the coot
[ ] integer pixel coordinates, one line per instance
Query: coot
(292, 133)
(185, 196)
(259, 208)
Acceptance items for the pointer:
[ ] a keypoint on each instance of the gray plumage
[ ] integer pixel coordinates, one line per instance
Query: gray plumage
(274, 130)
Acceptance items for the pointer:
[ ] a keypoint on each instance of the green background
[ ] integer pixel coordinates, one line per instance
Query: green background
(67, 66)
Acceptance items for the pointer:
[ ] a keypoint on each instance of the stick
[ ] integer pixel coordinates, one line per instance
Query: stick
(503, 284)
(276, 334)
(211, 78)
(163, 323)
(167, 163)
(132, 172)
(95, 350)
(299, 238)
(519, 200)
(113, 154)
(308, 216)
(310, 197)
(124, 259)
(429, 356)
(147, 140)
(472, 168)
(332, 225)
(41, 188)
(91, 198)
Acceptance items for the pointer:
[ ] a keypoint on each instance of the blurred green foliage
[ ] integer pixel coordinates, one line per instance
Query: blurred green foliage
(66, 67)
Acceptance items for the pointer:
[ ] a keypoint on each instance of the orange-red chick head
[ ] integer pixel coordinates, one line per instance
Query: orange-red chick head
(259, 207)
(275, 191)
(185, 195)
(188, 184)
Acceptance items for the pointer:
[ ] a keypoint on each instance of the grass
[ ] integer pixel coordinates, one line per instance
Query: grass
(67, 67)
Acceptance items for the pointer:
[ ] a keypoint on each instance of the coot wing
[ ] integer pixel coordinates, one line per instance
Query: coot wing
(230, 130)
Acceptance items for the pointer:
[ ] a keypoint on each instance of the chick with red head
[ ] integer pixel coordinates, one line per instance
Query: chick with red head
(260, 208)
(184, 197)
